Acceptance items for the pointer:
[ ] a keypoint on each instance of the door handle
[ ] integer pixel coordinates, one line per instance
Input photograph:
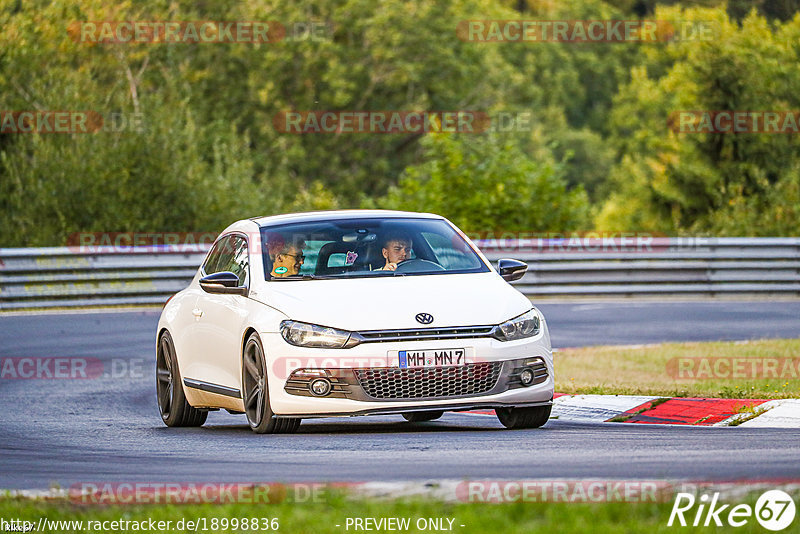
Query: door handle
(197, 312)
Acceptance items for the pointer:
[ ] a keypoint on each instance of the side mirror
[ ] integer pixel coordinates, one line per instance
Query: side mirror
(224, 282)
(511, 270)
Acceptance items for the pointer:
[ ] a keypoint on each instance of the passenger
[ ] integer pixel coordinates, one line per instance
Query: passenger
(396, 248)
(286, 259)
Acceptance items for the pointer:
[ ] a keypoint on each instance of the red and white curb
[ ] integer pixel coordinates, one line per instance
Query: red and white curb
(783, 413)
(595, 408)
(639, 409)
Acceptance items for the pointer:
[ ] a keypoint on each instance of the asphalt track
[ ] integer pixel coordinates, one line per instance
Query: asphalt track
(108, 429)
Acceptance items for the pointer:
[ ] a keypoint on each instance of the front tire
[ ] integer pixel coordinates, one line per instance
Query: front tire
(175, 410)
(255, 393)
(418, 417)
(524, 417)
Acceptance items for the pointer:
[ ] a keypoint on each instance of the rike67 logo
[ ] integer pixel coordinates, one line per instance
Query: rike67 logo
(774, 510)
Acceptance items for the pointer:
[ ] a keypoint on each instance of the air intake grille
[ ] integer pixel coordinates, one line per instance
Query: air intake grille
(430, 382)
(458, 332)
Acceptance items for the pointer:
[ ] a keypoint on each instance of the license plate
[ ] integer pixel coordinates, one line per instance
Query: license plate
(431, 358)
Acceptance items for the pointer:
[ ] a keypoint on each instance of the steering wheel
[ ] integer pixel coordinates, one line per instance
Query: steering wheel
(417, 264)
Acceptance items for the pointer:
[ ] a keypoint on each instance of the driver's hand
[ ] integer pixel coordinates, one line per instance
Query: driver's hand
(390, 267)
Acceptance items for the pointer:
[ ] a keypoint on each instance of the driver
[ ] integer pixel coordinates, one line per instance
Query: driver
(396, 248)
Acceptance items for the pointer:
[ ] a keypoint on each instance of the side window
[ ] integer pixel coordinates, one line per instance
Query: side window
(239, 264)
(210, 266)
(229, 254)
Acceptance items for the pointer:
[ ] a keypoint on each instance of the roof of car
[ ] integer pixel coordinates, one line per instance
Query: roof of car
(339, 214)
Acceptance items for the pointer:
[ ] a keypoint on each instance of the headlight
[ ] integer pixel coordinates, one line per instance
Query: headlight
(526, 325)
(312, 335)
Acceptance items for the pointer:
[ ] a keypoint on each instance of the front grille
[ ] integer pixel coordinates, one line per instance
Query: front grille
(457, 332)
(430, 382)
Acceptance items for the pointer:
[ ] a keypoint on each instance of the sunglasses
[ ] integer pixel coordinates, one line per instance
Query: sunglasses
(297, 257)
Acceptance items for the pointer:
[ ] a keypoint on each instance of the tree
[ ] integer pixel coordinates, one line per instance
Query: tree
(697, 182)
(486, 184)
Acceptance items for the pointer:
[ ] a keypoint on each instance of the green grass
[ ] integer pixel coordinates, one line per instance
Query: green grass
(322, 517)
(651, 370)
(746, 413)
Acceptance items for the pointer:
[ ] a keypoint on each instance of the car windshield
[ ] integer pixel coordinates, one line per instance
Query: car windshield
(374, 247)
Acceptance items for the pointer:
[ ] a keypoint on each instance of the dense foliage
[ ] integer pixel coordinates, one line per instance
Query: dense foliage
(596, 153)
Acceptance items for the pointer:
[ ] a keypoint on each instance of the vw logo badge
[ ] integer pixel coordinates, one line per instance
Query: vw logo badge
(424, 318)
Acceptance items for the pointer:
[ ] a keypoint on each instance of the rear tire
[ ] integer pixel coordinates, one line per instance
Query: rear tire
(255, 393)
(175, 410)
(418, 417)
(524, 417)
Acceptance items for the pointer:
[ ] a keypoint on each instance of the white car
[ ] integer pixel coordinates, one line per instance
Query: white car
(344, 313)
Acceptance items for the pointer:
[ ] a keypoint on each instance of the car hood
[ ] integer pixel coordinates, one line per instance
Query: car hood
(393, 302)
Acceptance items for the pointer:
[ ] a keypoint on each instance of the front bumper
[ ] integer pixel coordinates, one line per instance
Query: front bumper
(422, 408)
(376, 385)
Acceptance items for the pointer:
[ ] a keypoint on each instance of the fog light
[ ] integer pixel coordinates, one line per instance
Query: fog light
(526, 377)
(320, 387)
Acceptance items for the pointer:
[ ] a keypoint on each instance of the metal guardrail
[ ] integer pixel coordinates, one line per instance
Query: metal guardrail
(65, 277)
(655, 266)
